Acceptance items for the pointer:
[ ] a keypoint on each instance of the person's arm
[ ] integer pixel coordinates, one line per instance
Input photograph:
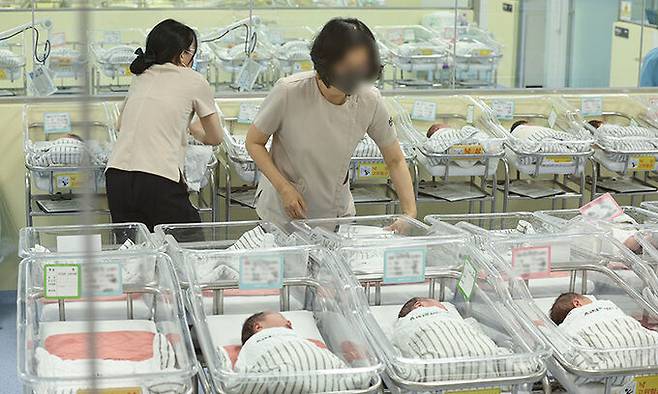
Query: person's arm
(292, 200)
(207, 130)
(399, 172)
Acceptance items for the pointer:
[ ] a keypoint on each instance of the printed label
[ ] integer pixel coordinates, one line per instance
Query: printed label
(57, 39)
(602, 208)
(532, 262)
(79, 243)
(261, 272)
(61, 281)
(56, 122)
(424, 110)
(73, 180)
(409, 35)
(373, 170)
(642, 385)
(466, 150)
(485, 52)
(3, 73)
(591, 106)
(319, 238)
(248, 113)
(306, 65)
(112, 37)
(395, 36)
(503, 109)
(40, 81)
(248, 75)
(426, 51)
(102, 279)
(643, 163)
(466, 282)
(560, 159)
(404, 265)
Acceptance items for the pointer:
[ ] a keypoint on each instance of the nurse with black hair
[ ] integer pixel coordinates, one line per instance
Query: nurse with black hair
(315, 120)
(144, 178)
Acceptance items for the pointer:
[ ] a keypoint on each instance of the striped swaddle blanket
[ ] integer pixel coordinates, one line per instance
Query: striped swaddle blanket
(67, 152)
(537, 139)
(432, 333)
(626, 138)
(602, 325)
(282, 351)
(442, 140)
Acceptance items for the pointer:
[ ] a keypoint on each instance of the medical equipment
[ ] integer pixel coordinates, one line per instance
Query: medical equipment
(548, 140)
(61, 159)
(13, 55)
(465, 145)
(416, 51)
(579, 368)
(113, 51)
(626, 143)
(310, 294)
(146, 350)
(291, 47)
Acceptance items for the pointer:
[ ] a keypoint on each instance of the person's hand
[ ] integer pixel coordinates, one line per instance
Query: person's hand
(293, 202)
(399, 226)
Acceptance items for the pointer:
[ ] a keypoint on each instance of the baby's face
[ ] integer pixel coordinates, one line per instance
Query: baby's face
(272, 320)
(581, 301)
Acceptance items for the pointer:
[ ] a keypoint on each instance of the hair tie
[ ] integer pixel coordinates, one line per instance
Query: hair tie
(139, 52)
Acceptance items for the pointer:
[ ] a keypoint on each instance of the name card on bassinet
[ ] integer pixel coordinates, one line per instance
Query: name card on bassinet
(56, 122)
(404, 265)
(591, 106)
(504, 109)
(467, 279)
(642, 385)
(424, 110)
(261, 272)
(247, 113)
(61, 281)
(532, 262)
(602, 208)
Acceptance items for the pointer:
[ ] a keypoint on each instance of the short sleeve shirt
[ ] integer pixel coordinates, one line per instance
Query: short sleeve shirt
(313, 141)
(157, 111)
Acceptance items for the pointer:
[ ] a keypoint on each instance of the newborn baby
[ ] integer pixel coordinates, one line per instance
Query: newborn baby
(437, 127)
(428, 329)
(271, 345)
(600, 324)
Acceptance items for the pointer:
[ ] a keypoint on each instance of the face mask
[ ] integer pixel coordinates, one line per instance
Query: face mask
(348, 82)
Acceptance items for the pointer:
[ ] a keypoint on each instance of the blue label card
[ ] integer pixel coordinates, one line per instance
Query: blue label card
(591, 106)
(261, 272)
(247, 113)
(405, 265)
(56, 122)
(102, 279)
(504, 109)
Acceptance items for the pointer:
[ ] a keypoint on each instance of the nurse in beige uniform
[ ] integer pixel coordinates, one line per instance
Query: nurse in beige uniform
(315, 120)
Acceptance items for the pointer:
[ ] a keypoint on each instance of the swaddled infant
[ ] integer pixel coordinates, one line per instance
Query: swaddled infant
(271, 345)
(427, 329)
(600, 324)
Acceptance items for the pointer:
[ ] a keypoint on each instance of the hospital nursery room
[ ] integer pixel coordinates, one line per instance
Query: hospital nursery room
(329, 196)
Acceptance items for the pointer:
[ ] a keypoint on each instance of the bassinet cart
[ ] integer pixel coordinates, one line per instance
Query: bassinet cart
(422, 59)
(149, 350)
(626, 144)
(113, 51)
(466, 147)
(552, 143)
(308, 291)
(62, 162)
(291, 47)
(67, 63)
(580, 368)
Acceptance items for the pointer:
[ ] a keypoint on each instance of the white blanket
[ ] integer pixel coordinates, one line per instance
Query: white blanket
(626, 138)
(602, 325)
(432, 333)
(535, 139)
(282, 351)
(197, 158)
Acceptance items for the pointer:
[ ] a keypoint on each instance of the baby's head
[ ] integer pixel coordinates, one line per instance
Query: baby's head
(419, 302)
(565, 303)
(595, 123)
(435, 128)
(73, 137)
(262, 320)
(517, 124)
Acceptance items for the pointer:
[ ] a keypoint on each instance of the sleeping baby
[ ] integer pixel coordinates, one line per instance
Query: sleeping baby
(271, 345)
(602, 325)
(428, 329)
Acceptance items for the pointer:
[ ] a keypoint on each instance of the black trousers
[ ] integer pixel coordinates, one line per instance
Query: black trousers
(135, 196)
